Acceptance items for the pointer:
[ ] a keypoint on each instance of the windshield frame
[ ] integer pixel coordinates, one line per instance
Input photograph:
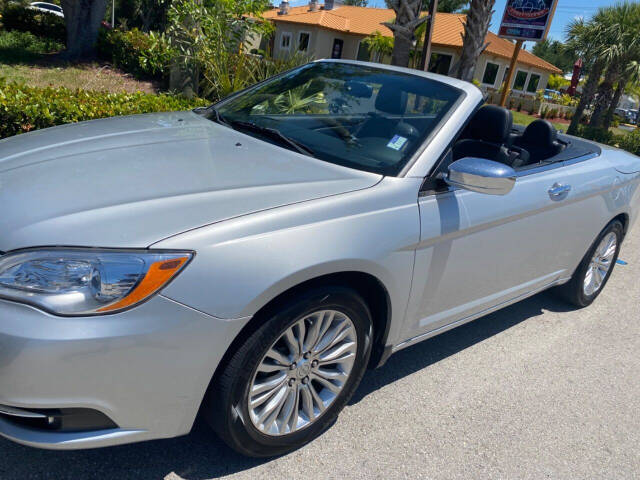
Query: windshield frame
(410, 161)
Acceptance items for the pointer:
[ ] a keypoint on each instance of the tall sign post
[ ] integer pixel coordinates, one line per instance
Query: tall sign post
(524, 21)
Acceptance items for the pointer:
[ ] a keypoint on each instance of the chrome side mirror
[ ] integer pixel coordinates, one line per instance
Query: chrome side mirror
(481, 175)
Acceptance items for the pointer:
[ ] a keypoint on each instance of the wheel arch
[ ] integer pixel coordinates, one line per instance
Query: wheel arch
(624, 219)
(369, 287)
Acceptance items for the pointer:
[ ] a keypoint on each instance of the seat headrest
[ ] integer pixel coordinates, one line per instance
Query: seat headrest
(490, 124)
(391, 100)
(540, 132)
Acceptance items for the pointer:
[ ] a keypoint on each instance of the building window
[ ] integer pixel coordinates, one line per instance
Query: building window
(521, 80)
(506, 74)
(534, 81)
(303, 41)
(490, 73)
(440, 63)
(285, 41)
(364, 54)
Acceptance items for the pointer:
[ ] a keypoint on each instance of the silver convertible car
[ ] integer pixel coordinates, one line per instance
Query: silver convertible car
(250, 260)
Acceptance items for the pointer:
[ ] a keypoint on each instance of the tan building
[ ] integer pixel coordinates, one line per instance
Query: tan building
(327, 31)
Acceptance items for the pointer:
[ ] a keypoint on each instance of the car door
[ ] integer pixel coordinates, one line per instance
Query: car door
(478, 251)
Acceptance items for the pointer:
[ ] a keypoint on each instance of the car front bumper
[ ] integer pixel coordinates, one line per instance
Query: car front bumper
(145, 369)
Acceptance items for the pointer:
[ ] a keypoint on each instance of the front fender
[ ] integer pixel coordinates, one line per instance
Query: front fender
(242, 264)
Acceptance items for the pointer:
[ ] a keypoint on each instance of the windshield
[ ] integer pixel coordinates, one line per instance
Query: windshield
(352, 115)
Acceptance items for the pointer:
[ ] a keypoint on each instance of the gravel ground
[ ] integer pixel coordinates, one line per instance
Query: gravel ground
(537, 390)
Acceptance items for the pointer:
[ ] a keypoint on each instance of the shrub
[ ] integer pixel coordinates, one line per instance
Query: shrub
(18, 46)
(24, 108)
(140, 54)
(22, 19)
(600, 135)
(630, 142)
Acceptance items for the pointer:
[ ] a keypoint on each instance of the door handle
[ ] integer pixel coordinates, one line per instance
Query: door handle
(558, 190)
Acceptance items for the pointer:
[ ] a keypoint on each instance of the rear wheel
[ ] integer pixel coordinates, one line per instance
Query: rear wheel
(595, 268)
(290, 379)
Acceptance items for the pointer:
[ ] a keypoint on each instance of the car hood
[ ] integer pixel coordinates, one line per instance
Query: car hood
(132, 181)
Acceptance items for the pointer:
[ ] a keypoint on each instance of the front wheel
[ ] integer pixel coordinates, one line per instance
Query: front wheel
(595, 268)
(291, 378)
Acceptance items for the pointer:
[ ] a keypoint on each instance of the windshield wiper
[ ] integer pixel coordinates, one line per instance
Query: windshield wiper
(217, 116)
(272, 133)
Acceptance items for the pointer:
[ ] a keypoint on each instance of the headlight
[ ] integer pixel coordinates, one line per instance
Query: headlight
(73, 281)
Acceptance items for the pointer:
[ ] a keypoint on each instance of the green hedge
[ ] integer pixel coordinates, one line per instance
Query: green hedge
(24, 108)
(17, 17)
(140, 54)
(629, 142)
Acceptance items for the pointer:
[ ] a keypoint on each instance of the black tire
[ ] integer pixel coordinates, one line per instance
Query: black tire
(225, 405)
(573, 291)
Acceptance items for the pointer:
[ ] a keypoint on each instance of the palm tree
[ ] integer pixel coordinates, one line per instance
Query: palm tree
(630, 76)
(404, 27)
(450, 6)
(379, 44)
(622, 22)
(475, 32)
(588, 40)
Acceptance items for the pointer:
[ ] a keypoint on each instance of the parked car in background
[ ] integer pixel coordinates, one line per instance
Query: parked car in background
(250, 260)
(551, 94)
(47, 8)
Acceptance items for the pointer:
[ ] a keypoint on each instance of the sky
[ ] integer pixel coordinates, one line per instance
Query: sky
(567, 10)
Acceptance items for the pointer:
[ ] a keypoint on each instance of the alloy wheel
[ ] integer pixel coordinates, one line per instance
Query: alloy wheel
(302, 373)
(600, 264)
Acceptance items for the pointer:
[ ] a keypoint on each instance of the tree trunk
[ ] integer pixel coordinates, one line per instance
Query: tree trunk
(588, 92)
(608, 118)
(605, 96)
(403, 28)
(475, 33)
(82, 18)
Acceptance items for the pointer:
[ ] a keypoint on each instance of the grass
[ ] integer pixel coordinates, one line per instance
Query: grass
(26, 58)
(520, 118)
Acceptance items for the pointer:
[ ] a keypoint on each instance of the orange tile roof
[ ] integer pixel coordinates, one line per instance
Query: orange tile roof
(447, 32)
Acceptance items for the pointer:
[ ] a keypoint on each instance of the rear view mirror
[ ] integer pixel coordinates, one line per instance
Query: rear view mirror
(481, 175)
(358, 89)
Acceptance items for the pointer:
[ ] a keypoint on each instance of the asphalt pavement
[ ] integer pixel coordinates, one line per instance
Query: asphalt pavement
(537, 390)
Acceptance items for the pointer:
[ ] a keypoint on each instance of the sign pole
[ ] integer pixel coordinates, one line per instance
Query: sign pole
(426, 48)
(506, 86)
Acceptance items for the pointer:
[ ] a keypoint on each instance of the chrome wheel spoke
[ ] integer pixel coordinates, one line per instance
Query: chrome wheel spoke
(300, 335)
(337, 352)
(327, 384)
(313, 332)
(286, 411)
(292, 342)
(307, 402)
(272, 408)
(268, 384)
(316, 398)
(278, 357)
(290, 391)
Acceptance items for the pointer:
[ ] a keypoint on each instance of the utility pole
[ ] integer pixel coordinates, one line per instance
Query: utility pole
(426, 48)
(113, 14)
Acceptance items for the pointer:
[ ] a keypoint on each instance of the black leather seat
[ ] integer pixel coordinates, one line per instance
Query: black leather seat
(394, 102)
(540, 139)
(487, 136)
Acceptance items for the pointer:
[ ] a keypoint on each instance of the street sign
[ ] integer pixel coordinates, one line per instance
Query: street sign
(527, 20)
